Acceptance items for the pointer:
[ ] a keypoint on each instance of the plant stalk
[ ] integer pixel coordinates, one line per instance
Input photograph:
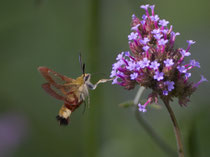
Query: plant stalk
(176, 129)
(150, 131)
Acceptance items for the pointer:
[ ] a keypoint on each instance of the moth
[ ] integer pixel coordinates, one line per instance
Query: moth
(73, 92)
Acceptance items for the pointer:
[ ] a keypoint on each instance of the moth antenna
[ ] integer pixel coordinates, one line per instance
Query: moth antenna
(82, 65)
(83, 68)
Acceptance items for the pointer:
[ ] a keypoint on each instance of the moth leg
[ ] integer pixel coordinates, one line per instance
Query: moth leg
(82, 97)
(85, 106)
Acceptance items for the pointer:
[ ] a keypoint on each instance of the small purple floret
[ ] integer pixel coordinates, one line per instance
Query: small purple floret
(165, 92)
(146, 48)
(158, 37)
(155, 31)
(170, 85)
(168, 62)
(144, 63)
(142, 108)
(162, 42)
(144, 17)
(154, 65)
(203, 79)
(144, 41)
(120, 56)
(134, 76)
(132, 36)
(158, 76)
(143, 22)
(190, 42)
(163, 23)
(152, 7)
(131, 65)
(184, 53)
(117, 64)
(133, 16)
(187, 75)
(164, 31)
(144, 6)
(127, 53)
(182, 69)
(135, 28)
(154, 18)
(115, 81)
(194, 63)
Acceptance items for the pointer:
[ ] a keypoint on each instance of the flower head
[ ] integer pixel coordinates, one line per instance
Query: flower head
(154, 63)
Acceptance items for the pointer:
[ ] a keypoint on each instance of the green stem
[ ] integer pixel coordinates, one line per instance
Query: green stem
(92, 127)
(150, 131)
(176, 129)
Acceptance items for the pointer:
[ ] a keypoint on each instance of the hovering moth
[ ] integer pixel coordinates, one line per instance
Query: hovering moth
(73, 92)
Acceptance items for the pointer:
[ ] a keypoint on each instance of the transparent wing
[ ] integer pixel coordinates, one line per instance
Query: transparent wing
(50, 91)
(59, 86)
(54, 78)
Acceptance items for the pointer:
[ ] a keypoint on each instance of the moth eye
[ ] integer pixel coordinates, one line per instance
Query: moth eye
(87, 77)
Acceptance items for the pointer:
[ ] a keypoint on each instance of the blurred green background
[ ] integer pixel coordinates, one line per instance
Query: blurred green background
(52, 33)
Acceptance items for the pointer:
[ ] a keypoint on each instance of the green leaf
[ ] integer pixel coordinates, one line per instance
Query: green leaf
(155, 106)
(126, 104)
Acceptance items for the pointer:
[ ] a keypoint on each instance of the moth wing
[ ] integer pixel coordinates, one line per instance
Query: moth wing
(62, 93)
(47, 87)
(58, 86)
(54, 78)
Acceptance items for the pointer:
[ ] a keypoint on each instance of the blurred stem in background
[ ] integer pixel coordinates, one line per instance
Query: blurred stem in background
(92, 124)
(150, 131)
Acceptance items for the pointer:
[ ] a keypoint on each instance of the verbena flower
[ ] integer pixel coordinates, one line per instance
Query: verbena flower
(153, 62)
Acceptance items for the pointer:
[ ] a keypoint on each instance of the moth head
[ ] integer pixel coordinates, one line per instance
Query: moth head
(87, 77)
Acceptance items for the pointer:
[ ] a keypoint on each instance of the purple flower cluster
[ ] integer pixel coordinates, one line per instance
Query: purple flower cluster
(153, 62)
